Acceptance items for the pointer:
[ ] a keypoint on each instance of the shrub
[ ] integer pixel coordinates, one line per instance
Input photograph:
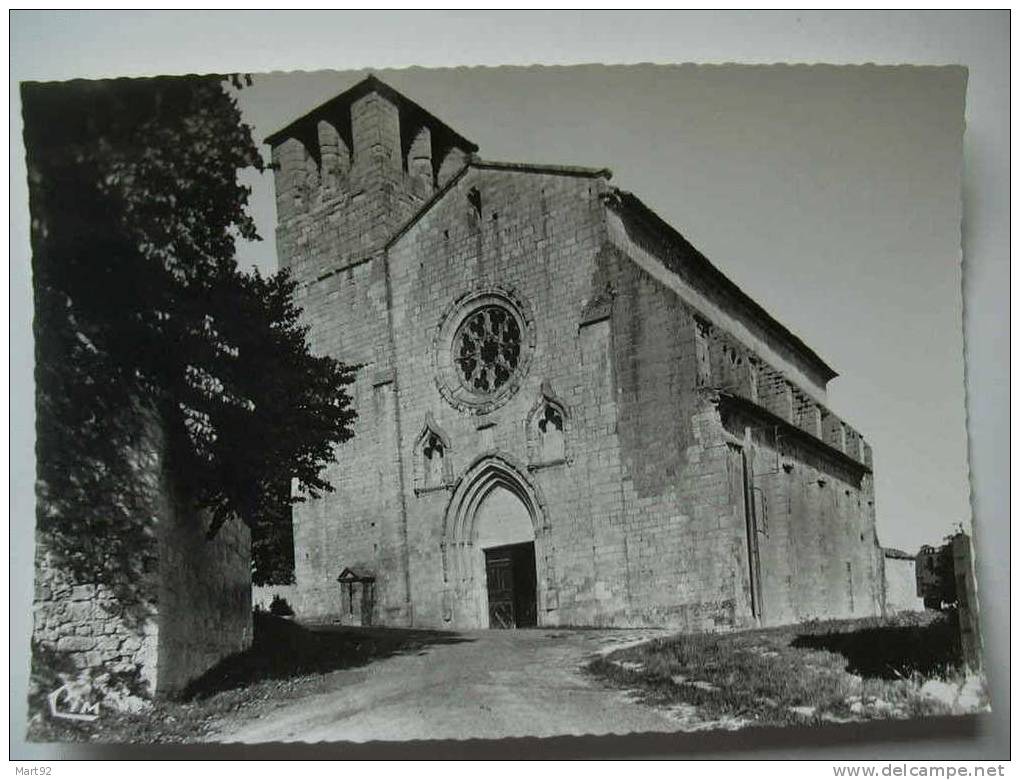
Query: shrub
(279, 606)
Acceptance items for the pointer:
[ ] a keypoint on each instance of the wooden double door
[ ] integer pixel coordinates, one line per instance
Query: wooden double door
(512, 586)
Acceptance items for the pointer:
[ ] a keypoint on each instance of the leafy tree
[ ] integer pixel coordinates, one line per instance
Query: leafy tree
(277, 418)
(141, 312)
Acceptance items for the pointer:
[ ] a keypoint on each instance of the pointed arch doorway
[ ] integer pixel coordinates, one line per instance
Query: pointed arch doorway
(506, 537)
(490, 538)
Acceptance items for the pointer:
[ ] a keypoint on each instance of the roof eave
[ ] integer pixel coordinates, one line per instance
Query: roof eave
(554, 170)
(623, 200)
(793, 431)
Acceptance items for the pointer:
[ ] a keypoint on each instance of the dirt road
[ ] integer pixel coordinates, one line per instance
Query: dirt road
(492, 684)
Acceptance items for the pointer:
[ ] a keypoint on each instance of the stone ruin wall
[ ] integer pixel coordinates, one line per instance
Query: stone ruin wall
(204, 608)
(189, 606)
(901, 585)
(92, 626)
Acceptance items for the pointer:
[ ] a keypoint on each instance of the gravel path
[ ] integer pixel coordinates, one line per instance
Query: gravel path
(493, 684)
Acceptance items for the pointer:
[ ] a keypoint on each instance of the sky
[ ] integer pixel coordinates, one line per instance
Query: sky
(830, 194)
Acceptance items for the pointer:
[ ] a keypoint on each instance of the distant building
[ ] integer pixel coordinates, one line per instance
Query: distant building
(936, 581)
(946, 577)
(567, 414)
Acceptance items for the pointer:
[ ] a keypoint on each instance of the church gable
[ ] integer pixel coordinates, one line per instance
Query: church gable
(521, 240)
(481, 204)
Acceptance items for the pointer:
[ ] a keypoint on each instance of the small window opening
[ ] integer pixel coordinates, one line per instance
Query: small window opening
(475, 199)
(550, 427)
(434, 452)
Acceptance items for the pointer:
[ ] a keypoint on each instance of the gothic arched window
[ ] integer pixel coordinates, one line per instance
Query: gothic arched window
(547, 428)
(432, 468)
(434, 452)
(550, 429)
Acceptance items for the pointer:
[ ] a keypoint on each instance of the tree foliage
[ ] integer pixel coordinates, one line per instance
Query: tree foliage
(141, 310)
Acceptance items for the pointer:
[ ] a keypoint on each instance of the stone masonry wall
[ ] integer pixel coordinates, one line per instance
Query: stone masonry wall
(112, 625)
(639, 526)
(535, 237)
(358, 524)
(818, 550)
(205, 609)
(185, 607)
(901, 585)
(810, 543)
(340, 192)
(683, 499)
(94, 625)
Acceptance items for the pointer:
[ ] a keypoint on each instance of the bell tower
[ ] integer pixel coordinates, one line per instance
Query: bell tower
(350, 174)
(352, 171)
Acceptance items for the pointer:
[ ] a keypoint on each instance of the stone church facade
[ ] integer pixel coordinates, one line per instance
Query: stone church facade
(567, 414)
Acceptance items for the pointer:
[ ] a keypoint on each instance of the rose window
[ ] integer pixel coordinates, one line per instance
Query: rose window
(487, 349)
(482, 349)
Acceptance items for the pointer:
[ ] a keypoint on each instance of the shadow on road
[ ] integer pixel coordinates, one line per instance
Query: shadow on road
(284, 650)
(893, 652)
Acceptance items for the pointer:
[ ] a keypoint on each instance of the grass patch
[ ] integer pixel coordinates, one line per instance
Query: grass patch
(286, 660)
(823, 671)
